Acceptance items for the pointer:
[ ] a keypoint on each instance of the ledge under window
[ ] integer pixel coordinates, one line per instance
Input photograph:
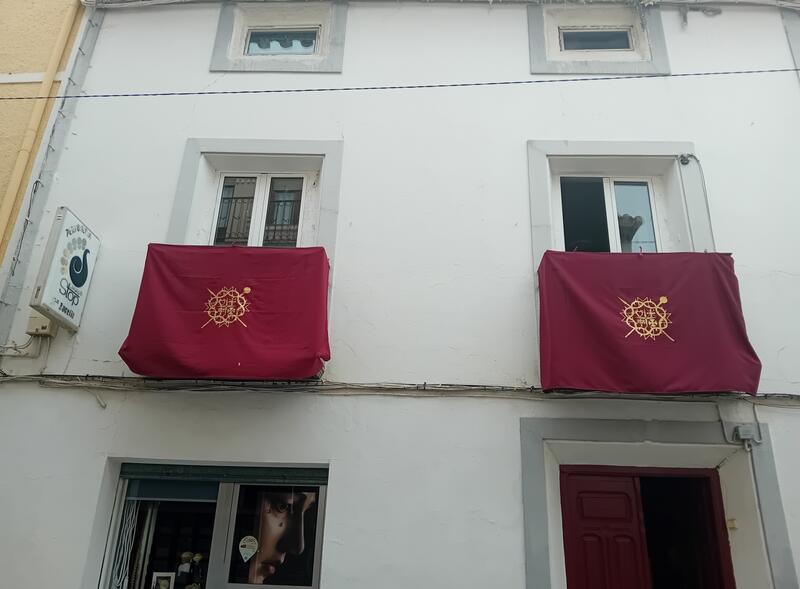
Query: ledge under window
(281, 37)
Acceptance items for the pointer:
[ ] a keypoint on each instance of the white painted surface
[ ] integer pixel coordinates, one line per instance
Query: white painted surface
(422, 492)
(433, 278)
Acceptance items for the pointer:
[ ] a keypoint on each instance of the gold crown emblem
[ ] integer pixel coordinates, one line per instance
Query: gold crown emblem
(227, 306)
(646, 317)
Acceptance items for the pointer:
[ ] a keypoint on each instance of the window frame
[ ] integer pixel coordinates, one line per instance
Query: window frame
(229, 479)
(655, 193)
(648, 53)
(230, 500)
(237, 19)
(260, 207)
(599, 28)
(317, 29)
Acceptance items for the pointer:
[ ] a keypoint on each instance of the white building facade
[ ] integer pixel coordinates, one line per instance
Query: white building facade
(429, 451)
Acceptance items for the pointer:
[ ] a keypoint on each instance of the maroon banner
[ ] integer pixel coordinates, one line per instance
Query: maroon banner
(242, 313)
(643, 323)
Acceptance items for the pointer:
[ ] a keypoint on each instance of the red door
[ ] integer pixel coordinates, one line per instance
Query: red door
(604, 539)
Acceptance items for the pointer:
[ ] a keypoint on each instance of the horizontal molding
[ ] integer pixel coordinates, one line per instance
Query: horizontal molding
(26, 77)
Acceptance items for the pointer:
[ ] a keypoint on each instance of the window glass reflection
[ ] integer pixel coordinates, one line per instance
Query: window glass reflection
(634, 217)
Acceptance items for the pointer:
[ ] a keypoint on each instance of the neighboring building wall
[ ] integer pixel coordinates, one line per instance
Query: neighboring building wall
(30, 31)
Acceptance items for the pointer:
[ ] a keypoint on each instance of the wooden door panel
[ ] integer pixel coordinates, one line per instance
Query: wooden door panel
(604, 540)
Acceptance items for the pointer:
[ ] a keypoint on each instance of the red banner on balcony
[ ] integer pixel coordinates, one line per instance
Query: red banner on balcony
(241, 313)
(643, 323)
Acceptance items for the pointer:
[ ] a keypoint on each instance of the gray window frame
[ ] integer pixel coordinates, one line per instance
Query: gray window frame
(540, 64)
(228, 477)
(330, 152)
(327, 59)
(636, 154)
(534, 433)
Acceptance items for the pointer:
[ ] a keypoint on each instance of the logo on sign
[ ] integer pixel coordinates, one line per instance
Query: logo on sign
(74, 266)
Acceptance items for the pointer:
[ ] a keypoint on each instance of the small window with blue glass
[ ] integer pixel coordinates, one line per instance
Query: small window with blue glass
(282, 42)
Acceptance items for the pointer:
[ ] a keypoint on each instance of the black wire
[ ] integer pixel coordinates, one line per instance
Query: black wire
(403, 87)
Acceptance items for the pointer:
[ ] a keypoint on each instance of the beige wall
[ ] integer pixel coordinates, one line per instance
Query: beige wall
(30, 31)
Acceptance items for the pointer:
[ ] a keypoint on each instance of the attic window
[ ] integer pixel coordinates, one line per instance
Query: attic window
(591, 38)
(596, 39)
(282, 42)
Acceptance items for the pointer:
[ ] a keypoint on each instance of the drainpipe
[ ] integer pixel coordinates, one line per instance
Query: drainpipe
(35, 121)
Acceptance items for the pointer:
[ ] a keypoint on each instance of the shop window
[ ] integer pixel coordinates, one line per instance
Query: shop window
(222, 528)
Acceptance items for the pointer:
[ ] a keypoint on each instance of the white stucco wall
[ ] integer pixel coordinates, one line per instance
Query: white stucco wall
(422, 491)
(433, 278)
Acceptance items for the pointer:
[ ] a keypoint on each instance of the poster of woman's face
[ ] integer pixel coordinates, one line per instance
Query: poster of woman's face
(283, 521)
(163, 581)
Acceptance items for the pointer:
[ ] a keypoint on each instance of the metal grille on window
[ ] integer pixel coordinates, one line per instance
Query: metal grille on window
(235, 211)
(283, 212)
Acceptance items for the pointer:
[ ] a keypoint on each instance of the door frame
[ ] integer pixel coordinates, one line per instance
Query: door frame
(719, 527)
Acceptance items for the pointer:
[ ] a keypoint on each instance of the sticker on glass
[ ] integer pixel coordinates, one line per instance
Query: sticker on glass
(248, 546)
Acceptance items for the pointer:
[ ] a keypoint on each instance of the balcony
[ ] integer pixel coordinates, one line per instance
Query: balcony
(643, 323)
(235, 313)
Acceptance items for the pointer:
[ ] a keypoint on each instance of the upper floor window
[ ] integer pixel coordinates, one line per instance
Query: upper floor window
(281, 42)
(280, 37)
(601, 196)
(262, 210)
(596, 39)
(608, 215)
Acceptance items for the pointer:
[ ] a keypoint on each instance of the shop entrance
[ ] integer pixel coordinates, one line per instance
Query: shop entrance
(644, 528)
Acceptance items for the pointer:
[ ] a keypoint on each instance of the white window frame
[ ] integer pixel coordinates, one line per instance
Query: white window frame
(654, 187)
(305, 228)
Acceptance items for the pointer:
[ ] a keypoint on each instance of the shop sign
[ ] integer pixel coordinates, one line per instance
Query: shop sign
(66, 272)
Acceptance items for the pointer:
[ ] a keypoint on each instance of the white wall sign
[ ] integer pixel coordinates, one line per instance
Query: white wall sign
(66, 271)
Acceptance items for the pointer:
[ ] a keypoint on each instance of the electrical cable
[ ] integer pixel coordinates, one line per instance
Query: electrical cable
(333, 388)
(404, 86)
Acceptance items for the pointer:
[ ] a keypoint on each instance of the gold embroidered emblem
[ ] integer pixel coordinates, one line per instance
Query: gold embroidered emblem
(646, 317)
(227, 306)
